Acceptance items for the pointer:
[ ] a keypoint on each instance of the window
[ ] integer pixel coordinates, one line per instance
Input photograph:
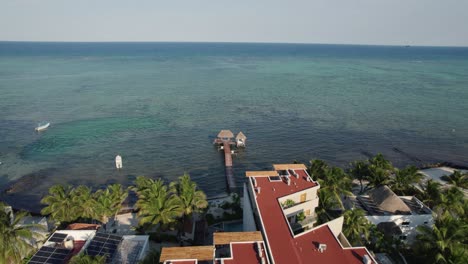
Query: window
(407, 223)
(402, 237)
(274, 178)
(425, 222)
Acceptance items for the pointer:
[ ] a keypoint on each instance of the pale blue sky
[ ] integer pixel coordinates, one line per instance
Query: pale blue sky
(391, 22)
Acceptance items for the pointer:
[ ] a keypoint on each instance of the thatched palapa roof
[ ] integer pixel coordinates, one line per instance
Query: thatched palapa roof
(225, 134)
(388, 201)
(241, 136)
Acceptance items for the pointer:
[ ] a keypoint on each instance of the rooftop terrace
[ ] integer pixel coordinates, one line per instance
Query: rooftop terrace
(303, 248)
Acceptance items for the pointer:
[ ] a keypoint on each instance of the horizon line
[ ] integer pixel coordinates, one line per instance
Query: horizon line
(235, 42)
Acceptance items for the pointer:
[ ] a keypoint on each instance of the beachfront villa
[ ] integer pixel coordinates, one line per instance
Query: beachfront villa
(396, 216)
(62, 245)
(281, 204)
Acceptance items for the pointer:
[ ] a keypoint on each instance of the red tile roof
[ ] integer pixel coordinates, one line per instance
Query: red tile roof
(302, 249)
(244, 253)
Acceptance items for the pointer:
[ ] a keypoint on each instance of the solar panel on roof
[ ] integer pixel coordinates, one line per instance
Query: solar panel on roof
(47, 249)
(50, 255)
(104, 245)
(58, 237)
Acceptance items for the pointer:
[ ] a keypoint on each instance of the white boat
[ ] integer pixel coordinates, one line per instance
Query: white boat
(118, 162)
(42, 127)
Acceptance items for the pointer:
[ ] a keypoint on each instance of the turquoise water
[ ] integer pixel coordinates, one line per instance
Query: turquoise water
(159, 105)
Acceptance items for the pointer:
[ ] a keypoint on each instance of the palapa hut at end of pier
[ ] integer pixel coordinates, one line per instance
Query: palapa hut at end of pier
(240, 139)
(226, 136)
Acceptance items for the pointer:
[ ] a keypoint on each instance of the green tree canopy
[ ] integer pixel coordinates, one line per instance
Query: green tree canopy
(444, 242)
(15, 239)
(87, 259)
(192, 199)
(404, 180)
(156, 204)
(337, 182)
(356, 228)
(110, 201)
(457, 178)
(60, 204)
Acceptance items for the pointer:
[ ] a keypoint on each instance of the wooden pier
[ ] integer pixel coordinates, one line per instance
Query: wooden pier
(227, 154)
(225, 141)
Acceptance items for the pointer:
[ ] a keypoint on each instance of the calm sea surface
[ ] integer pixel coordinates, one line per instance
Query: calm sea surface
(160, 105)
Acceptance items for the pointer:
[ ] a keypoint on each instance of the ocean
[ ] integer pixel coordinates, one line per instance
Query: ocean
(160, 105)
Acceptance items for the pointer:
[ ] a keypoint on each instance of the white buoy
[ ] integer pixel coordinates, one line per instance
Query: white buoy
(118, 162)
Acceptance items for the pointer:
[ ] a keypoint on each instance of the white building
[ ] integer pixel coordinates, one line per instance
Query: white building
(400, 214)
(283, 203)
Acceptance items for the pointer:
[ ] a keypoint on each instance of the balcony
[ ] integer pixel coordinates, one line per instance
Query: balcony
(303, 225)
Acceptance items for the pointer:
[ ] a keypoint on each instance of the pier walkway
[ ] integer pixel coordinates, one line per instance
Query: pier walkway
(228, 163)
(225, 140)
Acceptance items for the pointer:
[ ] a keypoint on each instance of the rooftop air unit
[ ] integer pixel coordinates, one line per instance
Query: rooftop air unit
(322, 247)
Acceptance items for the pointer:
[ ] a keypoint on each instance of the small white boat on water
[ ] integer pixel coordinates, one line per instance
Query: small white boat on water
(118, 162)
(42, 127)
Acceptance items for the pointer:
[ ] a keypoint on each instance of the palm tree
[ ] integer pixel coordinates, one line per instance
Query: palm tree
(360, 171)
(110, 201)
(15, 240)
(193, 200)
(457, 178)
(60, 204)
(356, 227)
(84, 199)
(326, 202)
(452, 201)
(402, 183)
(156, 204)
(317, 169)
(337, 182)
(431, 193)
(87, 259)
(442, 242)
(378, 177)
(379, 161)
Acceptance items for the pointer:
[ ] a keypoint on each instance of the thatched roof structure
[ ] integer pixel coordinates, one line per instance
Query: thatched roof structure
(241, 136)
(388, 201)
(225, 134)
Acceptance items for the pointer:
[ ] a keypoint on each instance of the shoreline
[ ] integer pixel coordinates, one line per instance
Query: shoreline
(23, 183)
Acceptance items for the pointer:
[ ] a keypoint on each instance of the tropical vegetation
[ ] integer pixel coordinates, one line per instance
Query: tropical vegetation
(87, 259)
(444, 242)
(65, 204)
(457, 178)
(16, 241)
(356, 228)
